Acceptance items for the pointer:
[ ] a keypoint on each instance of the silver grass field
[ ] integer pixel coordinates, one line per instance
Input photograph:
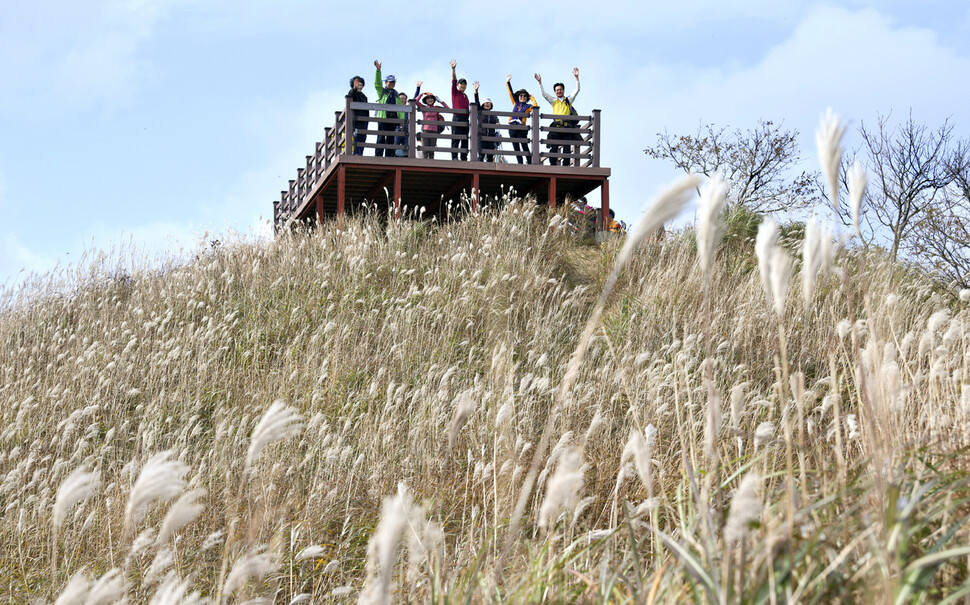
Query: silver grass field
(490, 410)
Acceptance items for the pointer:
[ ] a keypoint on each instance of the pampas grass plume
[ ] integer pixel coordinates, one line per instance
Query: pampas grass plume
(279, 421)
(173, 592)
(160, 480)
(858, 180)
(639, 447)
(764, 245)
(817, 251)
(310, 552)
(380, 551)
(77, 487)
(76, 590)
(463, 411)
(109, 588)
(254, 565)
(828, 139)
(565, 486)
(185, 510)
(710, 225)
(665, 208)
(745, 508)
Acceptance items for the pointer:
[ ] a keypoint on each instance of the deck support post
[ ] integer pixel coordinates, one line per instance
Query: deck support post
(605, 205)
(341, 186)
(475, 192)
(552, 192)
(397, 194)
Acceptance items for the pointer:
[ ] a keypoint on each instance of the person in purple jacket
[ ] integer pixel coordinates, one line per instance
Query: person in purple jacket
(459, 100)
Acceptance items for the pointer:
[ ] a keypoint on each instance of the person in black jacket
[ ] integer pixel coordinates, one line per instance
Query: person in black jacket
(357, 95)
(484, 128)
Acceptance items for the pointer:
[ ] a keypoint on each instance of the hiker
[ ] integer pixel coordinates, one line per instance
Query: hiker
(484, 130)
(561, 106)
(459, 100)
(522, 103)
(385, 94)
(429, 132)
(402, 129)
(356, 95)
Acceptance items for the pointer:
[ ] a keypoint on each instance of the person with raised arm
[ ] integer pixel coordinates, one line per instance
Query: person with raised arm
(459, 100)
(561, 106)
(385, 94)
(429, 132)
(485, 129)
(402, 129)
(356, 95)
(523, 103)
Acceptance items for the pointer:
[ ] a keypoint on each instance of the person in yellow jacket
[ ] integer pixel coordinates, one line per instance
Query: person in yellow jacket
(561, 105)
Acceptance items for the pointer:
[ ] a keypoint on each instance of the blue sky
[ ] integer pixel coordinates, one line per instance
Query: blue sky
(149, 123)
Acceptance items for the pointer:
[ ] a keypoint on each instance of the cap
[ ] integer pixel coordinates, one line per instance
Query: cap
(487, 100)
(390, 79)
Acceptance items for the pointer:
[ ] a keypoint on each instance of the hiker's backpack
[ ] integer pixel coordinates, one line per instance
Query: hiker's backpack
(574, 122)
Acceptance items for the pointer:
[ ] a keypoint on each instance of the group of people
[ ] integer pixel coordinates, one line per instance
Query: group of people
(390, 133)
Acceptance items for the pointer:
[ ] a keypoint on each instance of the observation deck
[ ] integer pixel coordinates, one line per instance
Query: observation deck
(335, 181)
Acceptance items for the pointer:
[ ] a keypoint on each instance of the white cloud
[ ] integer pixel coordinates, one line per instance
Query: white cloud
(69, 56)
(17, 260)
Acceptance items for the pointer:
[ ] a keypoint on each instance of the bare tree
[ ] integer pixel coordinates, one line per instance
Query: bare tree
(943, 232)
(759, 164)
(908, 171)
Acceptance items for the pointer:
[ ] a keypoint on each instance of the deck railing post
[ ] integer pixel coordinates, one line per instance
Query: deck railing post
(536, 137)
(348, 129)
(596, 138)
(473, 142)
(605, 205)
(327, 136)
(413, 130)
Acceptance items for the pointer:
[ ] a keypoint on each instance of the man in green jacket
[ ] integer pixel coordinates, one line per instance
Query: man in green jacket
(386, 94)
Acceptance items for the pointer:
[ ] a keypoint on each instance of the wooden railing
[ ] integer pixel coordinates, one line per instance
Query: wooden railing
(579, 143)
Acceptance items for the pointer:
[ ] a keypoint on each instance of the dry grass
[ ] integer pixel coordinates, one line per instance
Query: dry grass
(416, 366)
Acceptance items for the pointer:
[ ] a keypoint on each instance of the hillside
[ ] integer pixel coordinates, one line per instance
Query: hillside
(271, 421)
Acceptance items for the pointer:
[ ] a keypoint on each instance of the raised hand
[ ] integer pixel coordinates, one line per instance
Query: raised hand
(538, 78)
(453, 63)
(576, 72)
(377, 64)
(508, 78)
(475, 84)
(419, 83)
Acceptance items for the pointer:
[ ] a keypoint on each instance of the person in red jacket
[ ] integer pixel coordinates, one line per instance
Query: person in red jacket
(459, 100)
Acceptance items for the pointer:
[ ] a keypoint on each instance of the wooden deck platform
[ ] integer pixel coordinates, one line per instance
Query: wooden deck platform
(353, 181)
